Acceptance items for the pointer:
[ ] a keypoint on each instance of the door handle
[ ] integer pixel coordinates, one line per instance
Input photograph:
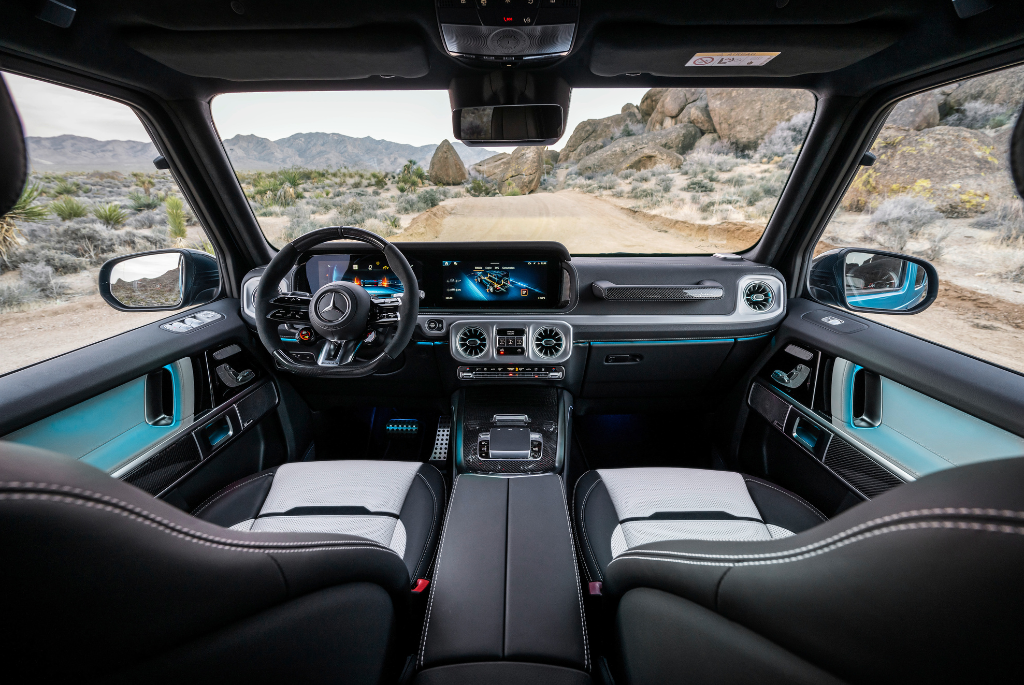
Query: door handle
(623, 359)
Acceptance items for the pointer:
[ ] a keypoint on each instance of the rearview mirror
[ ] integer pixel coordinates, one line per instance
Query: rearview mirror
(508, 125)
(164, 280)
(873, 281)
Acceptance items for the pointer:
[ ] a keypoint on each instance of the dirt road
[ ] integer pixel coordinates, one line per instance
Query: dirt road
(583, 223)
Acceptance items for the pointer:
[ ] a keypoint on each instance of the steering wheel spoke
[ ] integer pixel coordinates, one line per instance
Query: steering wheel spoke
(384, 311)
(290, 308)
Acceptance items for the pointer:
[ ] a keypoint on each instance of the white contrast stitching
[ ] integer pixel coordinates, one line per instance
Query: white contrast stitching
(962, 525)
(82, 497)
(217, 495)
(437, 571)
(586, 537)
(944, 511)
(576, 575)
(791, 496)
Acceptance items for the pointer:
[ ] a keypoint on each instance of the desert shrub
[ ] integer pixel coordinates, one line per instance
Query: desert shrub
(176, 218)
(899, 219)
(978, 114)
(24, 211)
(642, 177)
(764, 208)
(751, 195)
(140, 202)
(480, 187)
(16, 294)
(700, 161)
(379, 227)
(512, 190)
(785, 139)
(145, 219)
(1013, 275)
(66, 187)
(642, 192)
(627, 174)
(111, 215)
(419, 202)
(42, 278)
(68, 208)
(379, 180)
(142, 241)
(412, 175)
(60, 262)
(936, 243)
(665, 183)
(607, 182)
(738, 181)
(548, 183)
(660, 170)
(1007, 218)
(699, 185)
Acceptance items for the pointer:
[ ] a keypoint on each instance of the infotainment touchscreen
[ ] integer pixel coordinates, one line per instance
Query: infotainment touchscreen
(523, 282)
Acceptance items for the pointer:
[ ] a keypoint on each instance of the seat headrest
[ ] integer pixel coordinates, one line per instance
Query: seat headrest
(13, 159)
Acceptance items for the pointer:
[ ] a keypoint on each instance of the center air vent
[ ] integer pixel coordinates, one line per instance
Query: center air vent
(472, 341)
(759, 296)
(548, 342)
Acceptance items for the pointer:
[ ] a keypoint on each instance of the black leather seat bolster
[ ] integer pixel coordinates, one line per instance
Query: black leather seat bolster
(421, 515)
(501, 673)
(918, 555)
(595, 519)
(782, 508)
(147, 575)
(666, 639)
(238, 501)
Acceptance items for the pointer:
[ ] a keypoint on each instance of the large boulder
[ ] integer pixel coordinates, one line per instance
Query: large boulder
(678, 139)
(650, 157)
(525, 167)
(1001, 88)
(744, 116)
(918, 112)
(598, 131)
(699, 115)
(493, 168)
(649, 101)
(446, 167)
(959, 170)
(671, 107)
(707, 141)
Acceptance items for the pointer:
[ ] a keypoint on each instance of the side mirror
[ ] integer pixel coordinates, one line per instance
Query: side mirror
(163, 280)
(873, 281)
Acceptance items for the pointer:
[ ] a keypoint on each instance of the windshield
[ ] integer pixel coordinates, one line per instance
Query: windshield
(659, 171)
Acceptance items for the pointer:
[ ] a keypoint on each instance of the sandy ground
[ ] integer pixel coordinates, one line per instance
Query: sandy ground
(45, 331)
(583, 223)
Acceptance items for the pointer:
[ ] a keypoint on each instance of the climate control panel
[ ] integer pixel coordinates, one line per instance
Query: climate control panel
(511, 342)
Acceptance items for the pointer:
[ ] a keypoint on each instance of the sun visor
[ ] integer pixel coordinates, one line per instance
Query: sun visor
(718, 51)
(289, 55)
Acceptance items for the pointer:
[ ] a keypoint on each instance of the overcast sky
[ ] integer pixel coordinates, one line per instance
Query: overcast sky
(418, 117)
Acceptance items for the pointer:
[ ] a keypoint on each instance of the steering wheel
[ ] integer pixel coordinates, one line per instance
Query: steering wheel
(343, 314)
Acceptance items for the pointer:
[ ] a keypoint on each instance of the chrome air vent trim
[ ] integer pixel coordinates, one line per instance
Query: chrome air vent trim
(548, 342)
(472, 342)
(759, 296)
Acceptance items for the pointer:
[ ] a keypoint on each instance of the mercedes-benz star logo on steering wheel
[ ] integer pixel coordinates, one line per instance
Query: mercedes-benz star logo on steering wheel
(330, 308)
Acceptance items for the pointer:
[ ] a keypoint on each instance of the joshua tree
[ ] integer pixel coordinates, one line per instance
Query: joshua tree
(23, 211)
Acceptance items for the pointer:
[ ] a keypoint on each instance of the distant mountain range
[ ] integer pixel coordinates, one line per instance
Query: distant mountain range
(247, 153)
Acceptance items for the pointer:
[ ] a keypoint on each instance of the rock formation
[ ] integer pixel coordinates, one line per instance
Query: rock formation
(672, 106)
(446, 167)
(918, 112)
(614, 157)
(525, 167)
(744, 116)
(493, 168)
(594, 134)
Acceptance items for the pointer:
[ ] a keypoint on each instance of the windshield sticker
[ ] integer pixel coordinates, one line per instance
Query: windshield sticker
(731, 59)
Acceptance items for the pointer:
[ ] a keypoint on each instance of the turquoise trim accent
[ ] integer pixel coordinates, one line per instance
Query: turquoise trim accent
(660, 342)
(753, 337)
(105, 430)
(289, 340)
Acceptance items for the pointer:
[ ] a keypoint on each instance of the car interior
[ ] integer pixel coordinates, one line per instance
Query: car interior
(348, 454)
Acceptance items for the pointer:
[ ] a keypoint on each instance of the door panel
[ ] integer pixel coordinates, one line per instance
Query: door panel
(121, 424)
(919, 434)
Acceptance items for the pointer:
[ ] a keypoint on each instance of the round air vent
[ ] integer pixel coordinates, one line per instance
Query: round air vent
(471, 341)
(548, 342)
(759, 296)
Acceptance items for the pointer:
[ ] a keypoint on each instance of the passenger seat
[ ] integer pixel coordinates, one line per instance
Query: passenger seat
(619, 509)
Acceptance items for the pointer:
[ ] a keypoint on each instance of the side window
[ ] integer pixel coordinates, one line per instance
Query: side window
(941, 189)
(92, 194)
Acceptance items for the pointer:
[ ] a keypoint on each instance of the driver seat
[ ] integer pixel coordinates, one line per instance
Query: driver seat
(396, 504)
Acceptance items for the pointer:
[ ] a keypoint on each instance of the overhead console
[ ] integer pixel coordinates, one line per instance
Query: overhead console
(508, 31)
